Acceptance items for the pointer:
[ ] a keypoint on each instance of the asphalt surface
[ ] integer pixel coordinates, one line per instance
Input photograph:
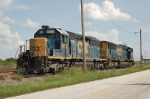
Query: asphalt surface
(131, 86)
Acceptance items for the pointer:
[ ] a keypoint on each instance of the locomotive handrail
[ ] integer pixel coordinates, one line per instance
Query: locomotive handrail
(16, 54)
(18, 50)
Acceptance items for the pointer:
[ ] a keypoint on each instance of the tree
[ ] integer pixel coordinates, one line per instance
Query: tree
(1, 60)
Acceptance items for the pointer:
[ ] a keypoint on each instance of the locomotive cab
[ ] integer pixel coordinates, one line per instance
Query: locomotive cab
(57, 40)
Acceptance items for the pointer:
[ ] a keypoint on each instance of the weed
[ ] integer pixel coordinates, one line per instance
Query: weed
(17, 77)
(67, 77)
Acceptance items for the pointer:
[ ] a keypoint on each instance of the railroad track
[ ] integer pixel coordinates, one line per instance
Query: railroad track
(7, 70)
(6, 73)
(36, 75)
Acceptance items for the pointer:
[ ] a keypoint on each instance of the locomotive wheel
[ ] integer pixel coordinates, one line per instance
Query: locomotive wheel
(21, 70)
(116, 65)
(53, 71)
(129, 64)
(101, 66)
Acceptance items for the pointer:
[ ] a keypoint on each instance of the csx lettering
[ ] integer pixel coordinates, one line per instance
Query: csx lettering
(119, 51)
(80, 47)
(64, 46)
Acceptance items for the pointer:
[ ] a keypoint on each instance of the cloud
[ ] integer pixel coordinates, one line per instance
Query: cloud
(3, 5)
(95, 12)
(9, 20)
(111, 36)
(135, 20)
(37, 7)
(146, 29)
(31, 24)
(22, 7)
(9, 42)
(87, 24)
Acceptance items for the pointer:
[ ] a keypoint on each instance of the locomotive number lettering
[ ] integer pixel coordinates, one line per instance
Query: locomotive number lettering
(50, 31)
(80, 47)
(36, 48)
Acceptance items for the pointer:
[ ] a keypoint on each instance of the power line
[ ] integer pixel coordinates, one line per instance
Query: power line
(145, 38)
(116, 24)
(111, 20)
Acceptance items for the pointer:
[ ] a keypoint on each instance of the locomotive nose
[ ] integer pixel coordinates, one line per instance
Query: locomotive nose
(38, 46)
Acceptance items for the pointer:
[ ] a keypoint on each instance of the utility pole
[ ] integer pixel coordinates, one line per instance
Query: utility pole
(145, 57)
(83, 37)
(141, 58)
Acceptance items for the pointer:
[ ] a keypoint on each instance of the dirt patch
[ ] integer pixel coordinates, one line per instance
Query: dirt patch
(14, 79)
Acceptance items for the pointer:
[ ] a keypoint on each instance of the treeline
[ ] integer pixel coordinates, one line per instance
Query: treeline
(9, 62)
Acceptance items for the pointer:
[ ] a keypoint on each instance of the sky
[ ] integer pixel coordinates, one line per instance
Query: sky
(108, 20)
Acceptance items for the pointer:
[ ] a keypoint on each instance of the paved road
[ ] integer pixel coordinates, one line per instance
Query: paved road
(131, 86)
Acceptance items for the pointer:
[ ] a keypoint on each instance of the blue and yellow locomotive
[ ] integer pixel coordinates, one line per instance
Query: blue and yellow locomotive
(53, 49)
(116, 55)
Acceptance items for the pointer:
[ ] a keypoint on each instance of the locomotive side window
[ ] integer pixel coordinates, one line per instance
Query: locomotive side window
(65, 39)
(110, 51)
(41, 32)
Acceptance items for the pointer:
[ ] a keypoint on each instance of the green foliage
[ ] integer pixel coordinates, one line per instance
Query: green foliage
(1, 60)
(67, 77)
(9, 62)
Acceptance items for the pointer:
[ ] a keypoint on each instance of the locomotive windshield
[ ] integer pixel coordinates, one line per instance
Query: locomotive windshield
(50, 36)
(45, 35)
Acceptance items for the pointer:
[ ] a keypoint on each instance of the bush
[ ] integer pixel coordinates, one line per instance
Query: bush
(9, 62)
(1, 60)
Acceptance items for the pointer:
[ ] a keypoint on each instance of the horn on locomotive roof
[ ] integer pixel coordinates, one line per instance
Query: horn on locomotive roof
(45, 27)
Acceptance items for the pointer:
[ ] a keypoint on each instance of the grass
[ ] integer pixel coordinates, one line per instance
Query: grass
(65, 78)
(17, 77)
(9, 62)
